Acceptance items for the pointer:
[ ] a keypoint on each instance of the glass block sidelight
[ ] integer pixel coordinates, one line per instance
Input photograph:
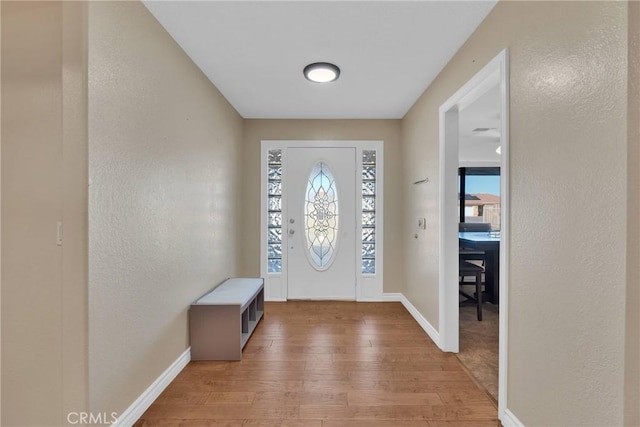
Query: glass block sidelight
(368, 250)
(275, 235)
(368, 219)
(368, 204)
(275, 157)
(369, 187)
(274, 206)
(275, 188)
(368, 235)
(275, 250)
(275, 265)
(369, 212)
(368, 266)
(275, 203)
(369, 172)
(275, 219)
(369, 157)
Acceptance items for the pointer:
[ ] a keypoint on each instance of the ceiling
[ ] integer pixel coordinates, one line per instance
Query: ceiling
(479, 146)
(254, 51)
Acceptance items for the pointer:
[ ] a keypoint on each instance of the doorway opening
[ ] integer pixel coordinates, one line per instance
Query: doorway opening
(494, 76)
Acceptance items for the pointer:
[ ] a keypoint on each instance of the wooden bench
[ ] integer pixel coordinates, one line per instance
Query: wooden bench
(221, 322)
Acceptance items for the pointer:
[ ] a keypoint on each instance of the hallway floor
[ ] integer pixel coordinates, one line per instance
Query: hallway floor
(328, 364)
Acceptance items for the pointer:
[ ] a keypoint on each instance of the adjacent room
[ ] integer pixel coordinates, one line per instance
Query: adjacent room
(479, 180)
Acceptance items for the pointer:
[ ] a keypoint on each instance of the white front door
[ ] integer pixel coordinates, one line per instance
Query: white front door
(321, 223)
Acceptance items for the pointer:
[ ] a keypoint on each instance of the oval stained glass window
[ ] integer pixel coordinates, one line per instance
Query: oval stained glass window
(321, 216)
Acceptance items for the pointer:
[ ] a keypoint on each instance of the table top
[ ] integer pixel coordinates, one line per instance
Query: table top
(480, 236)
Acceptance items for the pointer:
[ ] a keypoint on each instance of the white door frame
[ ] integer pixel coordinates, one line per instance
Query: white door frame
(495, 72)
(369, 287)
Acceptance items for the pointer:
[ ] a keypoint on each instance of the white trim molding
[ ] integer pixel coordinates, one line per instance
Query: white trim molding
(510, 420)
(392, 297)
(495, 73)
(142, 403)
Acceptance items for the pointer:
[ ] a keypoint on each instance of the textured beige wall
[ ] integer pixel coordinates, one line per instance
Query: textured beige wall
(44, 318)
(75, 375)
(385, 130)
(31, 207)
(0, 212)
(568, 203)
(632, 359)
(164, 150)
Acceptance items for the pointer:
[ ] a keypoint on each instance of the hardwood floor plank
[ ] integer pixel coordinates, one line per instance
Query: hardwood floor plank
(184, 397)
(374, 423)
(220, 412)
(206, 366)
(272, 375)
(355, 384)
(463, 398)
(299, 349)
(396, 412)
(282, 423)
(445, 364)
(401, 342)
(287, 357)
(219, 397)
(331, 340)
(189, 423)
(475, 423)
(250, 385)
(300, 398)
(435, 352)
(267, 365)
(328, 364)
(375, 397)
(355, 365)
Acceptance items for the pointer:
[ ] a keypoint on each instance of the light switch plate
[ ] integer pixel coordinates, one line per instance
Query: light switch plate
(422, 223)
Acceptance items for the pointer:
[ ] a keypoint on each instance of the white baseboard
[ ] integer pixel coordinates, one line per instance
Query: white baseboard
(323, 298)
(392, 297)
(510, 420)
(422, 321)
(383, 299)
(142, 403)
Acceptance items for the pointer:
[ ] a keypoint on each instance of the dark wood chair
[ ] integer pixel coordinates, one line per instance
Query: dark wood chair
(469, 254)
(468, 269)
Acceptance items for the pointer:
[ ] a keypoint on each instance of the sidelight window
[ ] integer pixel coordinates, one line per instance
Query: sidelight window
(274, 207)
(368, 211)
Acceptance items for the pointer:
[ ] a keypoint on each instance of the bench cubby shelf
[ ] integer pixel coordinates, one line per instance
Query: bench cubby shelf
(221, 322)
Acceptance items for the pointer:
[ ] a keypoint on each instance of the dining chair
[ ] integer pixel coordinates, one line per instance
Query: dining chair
(469, 254)
(468, 269)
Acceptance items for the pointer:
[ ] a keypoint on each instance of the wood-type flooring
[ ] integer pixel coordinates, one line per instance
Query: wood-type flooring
(328, 364)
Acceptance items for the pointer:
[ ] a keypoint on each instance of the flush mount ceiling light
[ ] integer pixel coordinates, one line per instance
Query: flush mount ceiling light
(321, 72)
